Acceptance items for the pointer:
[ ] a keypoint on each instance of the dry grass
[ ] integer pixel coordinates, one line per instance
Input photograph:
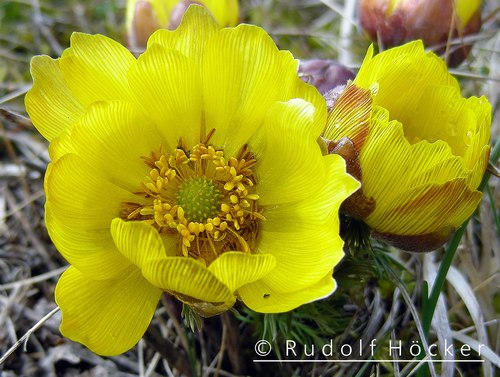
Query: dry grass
(379, 301)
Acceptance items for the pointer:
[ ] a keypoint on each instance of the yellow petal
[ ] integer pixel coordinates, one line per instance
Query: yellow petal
(350, 116)
(61, 145)
(191, 36)
(80, 194)
(186, 278)
(260, 297)
(95, 68)
(243, 75)
(465, 10)
(189, 280)
(107, 316)
(236, 269)
(320, 208)
(163, 8)
(303, 236)
(290, 165)
(167, 84)
(224, 11)
(302, 256)
(477, 155)
(140, 242)
(92, 251)
(112, 137)
(426, 209)
(477, 171)
(397, 69)
(80, 205)
(442, 114)
(389, 160)
(50, 103)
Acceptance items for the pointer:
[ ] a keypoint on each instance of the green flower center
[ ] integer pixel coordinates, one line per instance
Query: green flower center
(199, 198)
(206, 199)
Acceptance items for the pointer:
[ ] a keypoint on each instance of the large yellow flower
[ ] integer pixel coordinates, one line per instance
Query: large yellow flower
(423, 148)
(193, 170)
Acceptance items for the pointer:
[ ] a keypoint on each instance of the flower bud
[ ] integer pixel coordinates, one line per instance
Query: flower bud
(394, 22)
(418, 147)
(146, 16)
(324, 74)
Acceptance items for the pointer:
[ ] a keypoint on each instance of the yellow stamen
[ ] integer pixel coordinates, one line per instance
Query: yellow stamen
(205, 198)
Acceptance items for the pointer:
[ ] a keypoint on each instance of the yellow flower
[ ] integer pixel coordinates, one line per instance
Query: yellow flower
(193, 170)
(394, 22)
(423, 148)
(146, 16)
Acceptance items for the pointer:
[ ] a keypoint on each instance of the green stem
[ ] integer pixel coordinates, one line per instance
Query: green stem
(493, 208)
(430, 304)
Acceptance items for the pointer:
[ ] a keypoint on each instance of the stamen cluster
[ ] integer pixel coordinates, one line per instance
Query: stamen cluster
(208, 200)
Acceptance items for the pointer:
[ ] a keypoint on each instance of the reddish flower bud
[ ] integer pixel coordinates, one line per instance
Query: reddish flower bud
(394, 22)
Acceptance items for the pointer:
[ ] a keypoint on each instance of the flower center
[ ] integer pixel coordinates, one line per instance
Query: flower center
(202, 197)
